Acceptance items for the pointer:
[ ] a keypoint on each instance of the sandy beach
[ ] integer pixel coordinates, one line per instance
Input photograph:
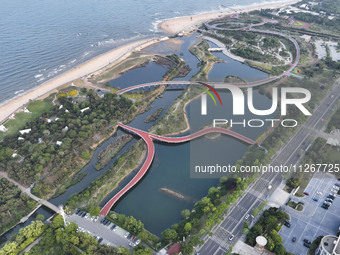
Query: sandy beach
(187, 24)
(89, 67)
(172, 26)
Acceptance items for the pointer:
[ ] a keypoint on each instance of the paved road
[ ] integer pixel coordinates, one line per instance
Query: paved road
(289, 154)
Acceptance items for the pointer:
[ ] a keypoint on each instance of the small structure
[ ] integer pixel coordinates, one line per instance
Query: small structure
(61, 106)
(59, 143)
(21, 138)
(14, 155)
(261, 242)
(26, 110)
(65, 129)
(306, 38)
(174, 249)
(40, 140)
(25, 131)
(85, 109)
(100, 94)
(3, 128)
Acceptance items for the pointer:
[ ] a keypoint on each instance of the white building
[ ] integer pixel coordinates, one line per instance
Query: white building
(25, 131)
(85, 109)
(329, 245)
(3, 128)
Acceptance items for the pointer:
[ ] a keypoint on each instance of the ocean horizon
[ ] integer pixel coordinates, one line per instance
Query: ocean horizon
(43, 39)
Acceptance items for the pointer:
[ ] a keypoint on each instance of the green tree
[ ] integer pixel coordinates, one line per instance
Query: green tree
(185, 213)
(57, 222)
(40, 217)
(169, 234)
(187, 227)
(94, 210)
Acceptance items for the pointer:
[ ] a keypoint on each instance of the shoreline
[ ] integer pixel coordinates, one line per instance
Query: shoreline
(185, 25)
(87, 68)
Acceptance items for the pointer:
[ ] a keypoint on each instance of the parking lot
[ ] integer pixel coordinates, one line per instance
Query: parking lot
(313, 220)
(114, 238)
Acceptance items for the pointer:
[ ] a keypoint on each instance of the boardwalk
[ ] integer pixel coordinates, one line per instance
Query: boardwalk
(147, 137)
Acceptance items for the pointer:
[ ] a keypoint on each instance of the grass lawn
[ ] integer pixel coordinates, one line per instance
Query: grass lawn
(35, 107)
(333, 155)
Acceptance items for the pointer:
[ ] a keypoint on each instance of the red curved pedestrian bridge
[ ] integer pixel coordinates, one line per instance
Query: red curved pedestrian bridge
(148, 139)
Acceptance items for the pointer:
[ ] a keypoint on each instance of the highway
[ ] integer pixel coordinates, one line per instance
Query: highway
(255, 194)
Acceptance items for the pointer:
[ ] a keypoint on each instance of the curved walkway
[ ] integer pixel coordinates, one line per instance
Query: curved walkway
(150, 154)
(147, 137)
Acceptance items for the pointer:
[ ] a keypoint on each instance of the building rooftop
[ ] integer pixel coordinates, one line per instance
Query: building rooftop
(331, 244)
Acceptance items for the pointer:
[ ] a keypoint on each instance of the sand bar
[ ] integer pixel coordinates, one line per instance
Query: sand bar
(186, 24)
(84, 69)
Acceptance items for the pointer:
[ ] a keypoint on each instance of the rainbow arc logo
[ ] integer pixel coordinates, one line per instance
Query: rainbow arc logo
(204, 97)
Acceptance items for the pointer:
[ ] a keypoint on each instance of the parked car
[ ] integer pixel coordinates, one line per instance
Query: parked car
(137, 241)
(319, 193)
(337, 184)
(83, 214)
(306, 193)
(325, 206)
(77, 211)
(336, 187)
(231, 237)
(315, 199)
(287, 224)
(306, 241)
(307, 245)
(330, 196)
(327, 203)
(126, 234)
(113, 227)
(294, 239)
(100, 240)
(246, 217)
(129, 236)
(329, 199)
(87, 215)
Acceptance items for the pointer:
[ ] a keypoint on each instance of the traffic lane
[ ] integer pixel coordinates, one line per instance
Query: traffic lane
(238, 212)
(210, 247)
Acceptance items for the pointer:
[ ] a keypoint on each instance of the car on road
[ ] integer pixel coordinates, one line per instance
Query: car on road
(246, 217)
(294, 239)
(100, 240)
(315, 199)
(270, 187)
(306, 193)
(231, 237)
